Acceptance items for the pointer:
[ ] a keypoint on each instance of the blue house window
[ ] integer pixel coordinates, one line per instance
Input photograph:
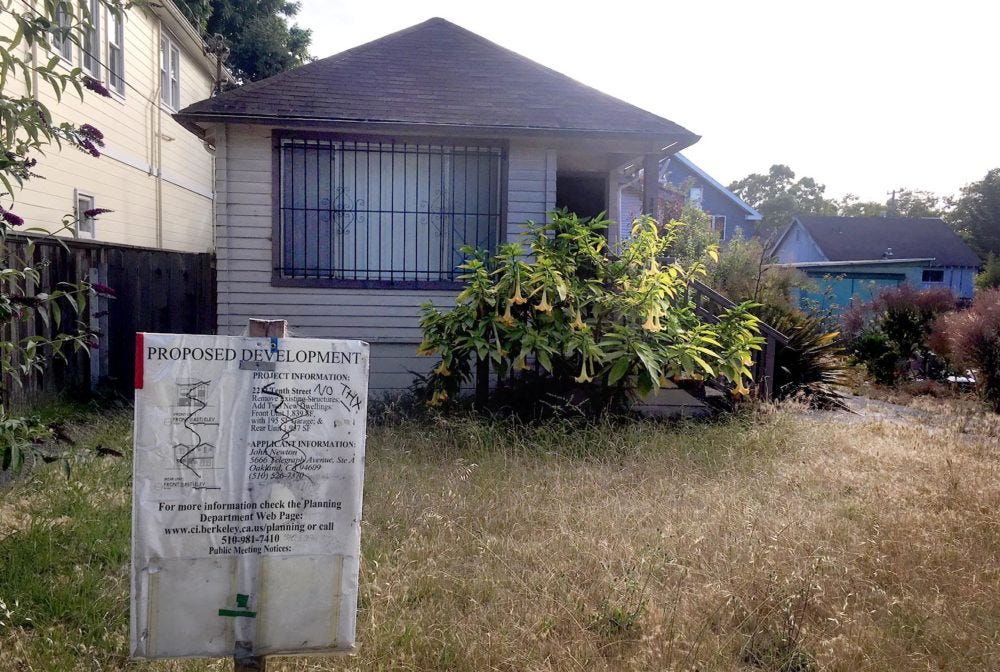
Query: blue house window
(932, 275)
(370, 213)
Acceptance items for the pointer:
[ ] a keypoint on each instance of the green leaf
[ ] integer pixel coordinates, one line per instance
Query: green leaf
(618, 371)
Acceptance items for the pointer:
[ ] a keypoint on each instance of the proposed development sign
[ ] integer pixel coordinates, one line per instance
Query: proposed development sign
(249, 465)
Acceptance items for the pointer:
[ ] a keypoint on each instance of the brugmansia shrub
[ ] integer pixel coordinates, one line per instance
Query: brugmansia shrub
(970, 339)
(561, 308)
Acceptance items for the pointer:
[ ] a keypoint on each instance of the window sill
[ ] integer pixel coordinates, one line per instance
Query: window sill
(333, 283)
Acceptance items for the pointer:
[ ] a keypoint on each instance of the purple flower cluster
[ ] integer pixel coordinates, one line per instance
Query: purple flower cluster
(91, 133)
(90, 139)
(90, 148)
(94, 212)
(10, 218)
(103, 289)
(96, 87)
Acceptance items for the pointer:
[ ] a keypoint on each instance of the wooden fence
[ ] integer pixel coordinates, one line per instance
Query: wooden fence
(154, 291)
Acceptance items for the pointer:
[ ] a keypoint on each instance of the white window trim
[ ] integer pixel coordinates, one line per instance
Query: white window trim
(716, 219)
(66, 43)
(77, 195)
(94, 51)
(167, 98)
(120, 30)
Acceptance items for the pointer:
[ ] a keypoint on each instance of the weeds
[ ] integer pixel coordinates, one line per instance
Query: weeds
(761, 541)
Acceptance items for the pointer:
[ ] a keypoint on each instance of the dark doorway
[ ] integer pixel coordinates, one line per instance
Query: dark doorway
(583, 193)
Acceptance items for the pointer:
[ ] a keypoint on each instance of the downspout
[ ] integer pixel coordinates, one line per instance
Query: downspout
(158, 152)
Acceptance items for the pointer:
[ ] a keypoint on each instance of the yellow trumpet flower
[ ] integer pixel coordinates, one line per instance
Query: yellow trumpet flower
(520, 364)
(583, 377)
(578, 322)
(652, 322)
(544, 306)
(442, 370)
(517, 299)
(741, 390)
(438, 397)
(507, 319)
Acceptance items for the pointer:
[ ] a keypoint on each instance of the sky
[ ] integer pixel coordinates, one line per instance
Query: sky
(865, 97)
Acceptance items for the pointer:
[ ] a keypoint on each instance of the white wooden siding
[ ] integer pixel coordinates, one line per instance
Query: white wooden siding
(388, 319)
(142, 143)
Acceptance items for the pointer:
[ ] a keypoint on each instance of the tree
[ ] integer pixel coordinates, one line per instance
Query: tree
(260, 40)
(976, 215)
(778, 196)
(26, 129)
(901, 203)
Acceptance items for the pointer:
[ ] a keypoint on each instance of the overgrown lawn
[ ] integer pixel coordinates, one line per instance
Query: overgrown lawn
(771, 541)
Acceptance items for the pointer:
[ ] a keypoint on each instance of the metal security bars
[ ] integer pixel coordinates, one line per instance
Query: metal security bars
(371, 213)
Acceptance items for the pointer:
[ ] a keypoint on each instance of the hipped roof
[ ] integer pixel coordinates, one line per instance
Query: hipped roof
(436, 74)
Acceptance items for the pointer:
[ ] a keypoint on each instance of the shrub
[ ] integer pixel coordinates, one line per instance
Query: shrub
(744, 272)
(890, 332)
(811, 365)
(971, 339)
(593, 328)
(989, 278)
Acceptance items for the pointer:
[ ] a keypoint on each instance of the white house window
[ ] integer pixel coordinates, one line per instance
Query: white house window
(116, 53)
(60, 39)
(380, 213)
(932, 275)
(85, 225)
(170, 73)
(695, 195)
(719, 225)
(91, 45)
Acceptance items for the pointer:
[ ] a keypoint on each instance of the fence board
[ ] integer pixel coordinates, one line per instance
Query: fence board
(156, 290)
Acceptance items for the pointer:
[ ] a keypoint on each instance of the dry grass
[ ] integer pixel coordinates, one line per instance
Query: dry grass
(775, 542)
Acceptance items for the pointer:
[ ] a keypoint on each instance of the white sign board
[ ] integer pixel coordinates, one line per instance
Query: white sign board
(248, 474)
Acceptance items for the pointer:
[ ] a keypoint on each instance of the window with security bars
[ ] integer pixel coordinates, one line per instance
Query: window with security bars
(370, 212)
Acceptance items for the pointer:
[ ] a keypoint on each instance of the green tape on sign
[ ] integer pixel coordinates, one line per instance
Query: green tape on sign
(233, 613)
(242, 602)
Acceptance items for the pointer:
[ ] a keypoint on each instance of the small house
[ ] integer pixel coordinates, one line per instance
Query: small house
(851, 259)
(347, 187)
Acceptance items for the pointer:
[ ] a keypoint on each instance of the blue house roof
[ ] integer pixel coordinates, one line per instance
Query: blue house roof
(751, 214)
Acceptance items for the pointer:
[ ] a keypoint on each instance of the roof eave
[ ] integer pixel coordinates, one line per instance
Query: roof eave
(666, 142)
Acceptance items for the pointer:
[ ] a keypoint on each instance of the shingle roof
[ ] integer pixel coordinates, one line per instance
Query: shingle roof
(440, 74)
(857, 238)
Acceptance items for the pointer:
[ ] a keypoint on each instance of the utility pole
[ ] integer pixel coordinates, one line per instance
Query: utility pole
(216, 46)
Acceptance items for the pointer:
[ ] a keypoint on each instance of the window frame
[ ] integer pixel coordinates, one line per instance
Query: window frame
(925, 271)
(119, 36)
(720, 230)
(63, 48)
(79, 194)
(280, 280)
(169, 47)
(91, 47)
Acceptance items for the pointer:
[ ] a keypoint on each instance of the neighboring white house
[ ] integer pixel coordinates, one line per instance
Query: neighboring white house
(155, 176)
(347, 186)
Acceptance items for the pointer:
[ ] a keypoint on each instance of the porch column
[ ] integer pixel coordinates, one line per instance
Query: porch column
(650, 183)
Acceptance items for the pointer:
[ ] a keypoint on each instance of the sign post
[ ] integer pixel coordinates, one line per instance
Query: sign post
(248, 474)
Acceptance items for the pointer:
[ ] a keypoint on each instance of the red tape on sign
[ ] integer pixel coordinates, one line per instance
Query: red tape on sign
(138, 361)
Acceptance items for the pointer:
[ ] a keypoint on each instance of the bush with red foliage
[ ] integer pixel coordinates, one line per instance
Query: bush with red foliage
(970, 339)
(890, 332)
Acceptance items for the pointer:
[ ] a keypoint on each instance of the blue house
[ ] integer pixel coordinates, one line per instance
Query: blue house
(852, 259)
(682, 179)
